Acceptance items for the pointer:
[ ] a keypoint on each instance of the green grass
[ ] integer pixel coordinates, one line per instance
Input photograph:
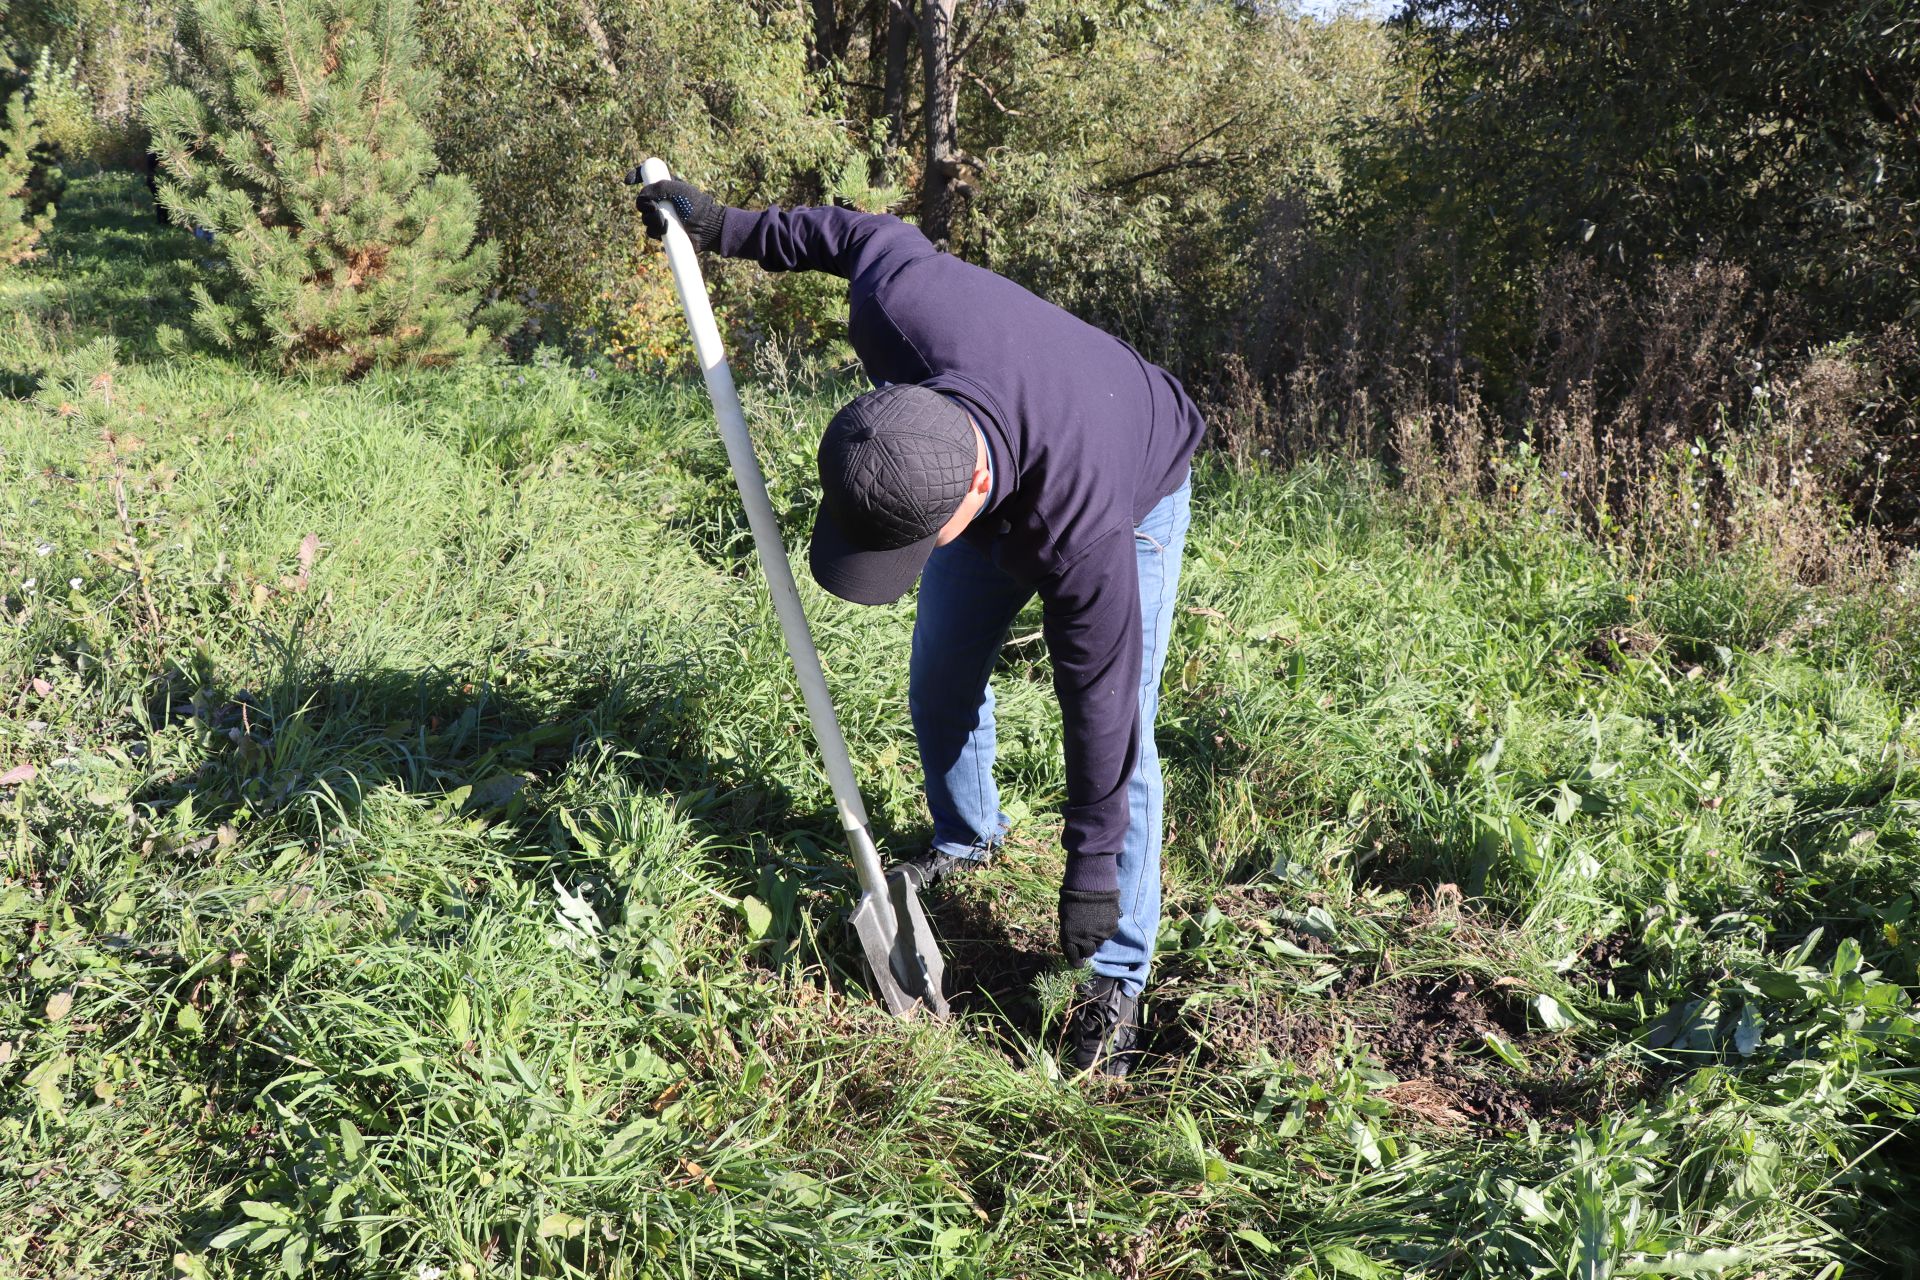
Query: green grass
(424, 867)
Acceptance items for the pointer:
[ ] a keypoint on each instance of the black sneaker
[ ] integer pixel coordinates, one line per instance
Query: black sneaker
(1103, 1027)
(930, 866)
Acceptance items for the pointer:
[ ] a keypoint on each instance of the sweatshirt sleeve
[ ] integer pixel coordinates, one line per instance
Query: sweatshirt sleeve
(841, 242)
(1092, 627)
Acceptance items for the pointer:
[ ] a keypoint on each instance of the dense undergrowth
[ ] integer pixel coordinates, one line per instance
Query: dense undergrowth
(415, 865)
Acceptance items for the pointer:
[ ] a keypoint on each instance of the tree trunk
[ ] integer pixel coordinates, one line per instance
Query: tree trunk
(826, 36)
(940, 181)
(893, 93)
(602, 47)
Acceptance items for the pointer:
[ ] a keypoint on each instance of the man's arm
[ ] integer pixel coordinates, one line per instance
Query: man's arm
(1092, 627)
(841, 242)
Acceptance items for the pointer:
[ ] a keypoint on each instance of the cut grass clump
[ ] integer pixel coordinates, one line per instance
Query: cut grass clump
(415, 860)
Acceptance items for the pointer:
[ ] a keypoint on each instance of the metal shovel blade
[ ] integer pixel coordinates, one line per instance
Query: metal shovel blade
(906, 962)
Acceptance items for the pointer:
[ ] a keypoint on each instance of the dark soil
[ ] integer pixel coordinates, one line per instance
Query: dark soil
(1600, 959)
(1434, 1031)
(1605, 651)
(1429, 1030)
(1216, 1026)
(991, 963)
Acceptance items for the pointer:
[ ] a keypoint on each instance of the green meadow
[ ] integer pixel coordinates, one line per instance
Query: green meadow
(414, 863)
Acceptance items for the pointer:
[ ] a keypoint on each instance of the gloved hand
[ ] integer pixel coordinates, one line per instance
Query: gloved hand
(699, 212)
(1088, 917)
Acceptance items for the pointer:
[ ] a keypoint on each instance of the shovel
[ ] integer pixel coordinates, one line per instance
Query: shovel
(906, 962)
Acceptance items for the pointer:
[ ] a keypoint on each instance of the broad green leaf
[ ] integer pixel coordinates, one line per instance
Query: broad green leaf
(239, 1233)
(266, 1211)
(1361, 1135)
(758, 915)
(802, 1189)
(950, 1238)
(45, 1080)
(1552, 1016)
(1257, 1240)
(1593, 1260)
(1351, 1262)
(460, 1017)
(563, 1225)
(1708, 1262)
(1532, 1205)
(1281, 949)
(336, 1206)
(266, 1237)
(1504, 1051)
(492, 792)
(1746, 1034)
(293, 1257)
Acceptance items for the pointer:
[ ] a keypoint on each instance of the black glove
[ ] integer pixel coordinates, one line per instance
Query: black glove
(699, 212)
(1088, 917)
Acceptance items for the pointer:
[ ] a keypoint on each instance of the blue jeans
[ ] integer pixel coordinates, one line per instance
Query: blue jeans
(967, 605)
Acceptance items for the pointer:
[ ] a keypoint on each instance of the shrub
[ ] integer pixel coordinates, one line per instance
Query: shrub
(20, 227)
(1134, 155)
(561, 100)
(300, 145)
(64, 107)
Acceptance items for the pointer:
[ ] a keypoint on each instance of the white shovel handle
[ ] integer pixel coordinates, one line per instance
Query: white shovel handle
(692, 288)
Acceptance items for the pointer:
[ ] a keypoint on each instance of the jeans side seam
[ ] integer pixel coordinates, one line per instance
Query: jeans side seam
(1146, 725)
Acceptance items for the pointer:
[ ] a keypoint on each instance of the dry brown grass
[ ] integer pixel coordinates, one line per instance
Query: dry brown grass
(1678, 424)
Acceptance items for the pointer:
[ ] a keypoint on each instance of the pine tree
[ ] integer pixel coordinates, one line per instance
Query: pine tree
(20, 227)
(297, 140)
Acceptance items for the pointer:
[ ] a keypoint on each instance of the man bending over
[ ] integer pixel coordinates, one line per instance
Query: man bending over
(1010, 449)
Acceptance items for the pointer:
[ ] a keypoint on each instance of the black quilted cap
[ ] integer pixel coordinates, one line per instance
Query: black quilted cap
(894, 465)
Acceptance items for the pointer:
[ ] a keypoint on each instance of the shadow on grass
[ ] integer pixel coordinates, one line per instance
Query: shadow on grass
(312, 747)
(112, 269)
(991, 965)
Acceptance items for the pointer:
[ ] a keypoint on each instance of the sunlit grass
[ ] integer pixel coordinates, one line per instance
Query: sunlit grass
(388, 789)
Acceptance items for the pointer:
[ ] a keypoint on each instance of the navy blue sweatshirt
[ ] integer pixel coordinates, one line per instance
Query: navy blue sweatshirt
(1086, 437)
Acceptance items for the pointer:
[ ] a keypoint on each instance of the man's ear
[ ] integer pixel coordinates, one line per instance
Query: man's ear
(982, 481)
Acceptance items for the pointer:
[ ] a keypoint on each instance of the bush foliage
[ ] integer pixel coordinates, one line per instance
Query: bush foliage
(64, 105)
(300, 145)
(559, 100)
(21, 223)
(1588, 227)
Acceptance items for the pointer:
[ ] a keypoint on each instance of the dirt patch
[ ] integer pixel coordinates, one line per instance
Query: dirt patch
(1261, 908)
(991, 962)
(1600, 960)
(1241, 902)
(1430, 1030)
(1429, 1021)
(1215, 1026)
(1607, 650)
(1434, 1032)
